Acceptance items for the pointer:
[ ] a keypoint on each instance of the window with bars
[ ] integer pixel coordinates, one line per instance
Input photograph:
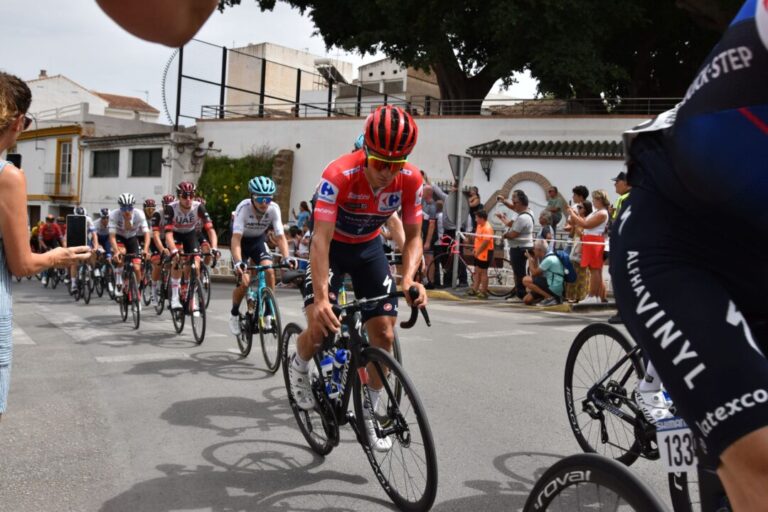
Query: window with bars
(106, 164)
(146, 163)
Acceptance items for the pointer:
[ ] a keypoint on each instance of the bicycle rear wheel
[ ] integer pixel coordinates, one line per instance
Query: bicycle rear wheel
(98, 284)
(245, 338)
(501, 279)
(197, 313)
(408, 470)
(177, 315)
(313, 426)
(270, 329)
(590, 482)
(596, 349)
(122, 301)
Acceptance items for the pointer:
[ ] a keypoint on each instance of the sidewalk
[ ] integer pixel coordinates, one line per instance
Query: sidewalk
(459, 295)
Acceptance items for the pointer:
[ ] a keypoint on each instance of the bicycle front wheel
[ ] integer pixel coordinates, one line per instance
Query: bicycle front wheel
(311, 423)
(596, 349)
(197, 306)
(407, 471)
(135, 300)
(205, 280)
(590, 482)
(87, 287)
(270, 329)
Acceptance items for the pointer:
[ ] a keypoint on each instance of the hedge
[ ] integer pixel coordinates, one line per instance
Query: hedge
(224, 183)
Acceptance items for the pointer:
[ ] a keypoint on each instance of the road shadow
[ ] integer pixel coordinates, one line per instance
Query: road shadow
(519, 472)
(223, 365)
(231, 416)
(248, 475)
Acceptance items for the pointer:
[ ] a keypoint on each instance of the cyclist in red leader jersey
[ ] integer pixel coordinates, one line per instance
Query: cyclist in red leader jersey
(358, 192)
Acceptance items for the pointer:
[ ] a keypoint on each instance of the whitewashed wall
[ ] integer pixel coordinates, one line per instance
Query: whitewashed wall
(316, 142)
(57, 92)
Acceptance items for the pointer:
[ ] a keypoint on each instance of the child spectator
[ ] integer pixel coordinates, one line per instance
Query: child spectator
(483, 252)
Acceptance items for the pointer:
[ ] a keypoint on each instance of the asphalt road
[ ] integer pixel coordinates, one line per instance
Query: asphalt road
(102, 417)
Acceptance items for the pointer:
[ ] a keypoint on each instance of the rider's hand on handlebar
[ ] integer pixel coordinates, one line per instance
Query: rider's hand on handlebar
(421, 300)
(322, 318)
(291, 262)
(240, 267)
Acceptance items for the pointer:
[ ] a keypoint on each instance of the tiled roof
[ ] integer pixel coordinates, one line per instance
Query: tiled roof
(126, 102)
(589, 149)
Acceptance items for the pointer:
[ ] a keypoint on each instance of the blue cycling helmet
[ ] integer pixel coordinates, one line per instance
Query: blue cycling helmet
(262, 186)
(360, 141)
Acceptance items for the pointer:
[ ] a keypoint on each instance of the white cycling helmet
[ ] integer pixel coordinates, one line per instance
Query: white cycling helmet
(126, 200)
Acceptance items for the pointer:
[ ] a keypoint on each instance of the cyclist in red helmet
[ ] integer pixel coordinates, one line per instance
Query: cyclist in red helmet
(356, 195)
(180, 219)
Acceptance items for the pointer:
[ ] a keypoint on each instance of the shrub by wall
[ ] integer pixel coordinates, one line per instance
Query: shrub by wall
(224, 183)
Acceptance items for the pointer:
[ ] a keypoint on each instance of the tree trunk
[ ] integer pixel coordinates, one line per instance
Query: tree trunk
(460, 94)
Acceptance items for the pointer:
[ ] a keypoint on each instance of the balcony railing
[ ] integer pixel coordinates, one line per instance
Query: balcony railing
(59, 187)
(427, 106)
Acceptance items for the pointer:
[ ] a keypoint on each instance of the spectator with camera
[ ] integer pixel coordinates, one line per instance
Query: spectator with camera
(520, 236)
(547, 279)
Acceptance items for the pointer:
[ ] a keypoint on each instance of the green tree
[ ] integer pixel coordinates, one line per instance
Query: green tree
(575, 48)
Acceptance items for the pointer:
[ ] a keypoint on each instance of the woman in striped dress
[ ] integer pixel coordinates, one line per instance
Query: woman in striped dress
(15, 254)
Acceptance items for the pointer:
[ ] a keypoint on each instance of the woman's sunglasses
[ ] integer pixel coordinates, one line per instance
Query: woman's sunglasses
(126, 208)
(185, 195)
(27, 121)
(261, 199)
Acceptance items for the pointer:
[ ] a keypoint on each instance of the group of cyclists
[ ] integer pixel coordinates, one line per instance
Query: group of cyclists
(700, 319)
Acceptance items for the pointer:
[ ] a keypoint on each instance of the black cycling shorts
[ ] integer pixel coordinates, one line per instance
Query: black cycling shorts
(255, 248)
(690, 281)
(367, 265)
(188, 242)
(131, 244)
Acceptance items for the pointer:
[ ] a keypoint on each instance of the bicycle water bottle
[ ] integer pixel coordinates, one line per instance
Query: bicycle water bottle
(326, 368)
(339, 362)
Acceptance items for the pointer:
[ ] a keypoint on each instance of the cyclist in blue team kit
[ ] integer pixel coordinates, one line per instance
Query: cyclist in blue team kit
(696, 304)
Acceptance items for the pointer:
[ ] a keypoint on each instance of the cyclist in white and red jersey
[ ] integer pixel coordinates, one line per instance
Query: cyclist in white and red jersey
(358, 192)
(180, 219)
(697, 304)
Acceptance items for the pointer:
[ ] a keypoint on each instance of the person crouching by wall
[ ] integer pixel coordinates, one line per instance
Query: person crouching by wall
(547, 278)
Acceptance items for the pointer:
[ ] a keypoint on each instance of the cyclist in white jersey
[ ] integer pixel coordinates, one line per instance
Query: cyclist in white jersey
(252, 218)
(126, 225)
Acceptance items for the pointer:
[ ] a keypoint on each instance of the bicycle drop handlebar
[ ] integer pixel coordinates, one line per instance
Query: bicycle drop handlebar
(357, 305)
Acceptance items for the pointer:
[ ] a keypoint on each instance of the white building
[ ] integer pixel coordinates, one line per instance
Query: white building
(90, 159)
(58, 96)
(284, 72)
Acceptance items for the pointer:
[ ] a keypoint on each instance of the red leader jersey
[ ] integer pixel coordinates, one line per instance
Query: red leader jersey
(345, 198)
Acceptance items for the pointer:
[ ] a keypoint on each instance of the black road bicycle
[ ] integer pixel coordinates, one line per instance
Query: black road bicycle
(84, 283)
(601, 373)
(130, 298)
(191, 297)
(408, 470)
(260, 313)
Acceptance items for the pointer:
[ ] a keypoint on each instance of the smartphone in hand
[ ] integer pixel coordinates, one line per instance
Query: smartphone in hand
(77, 233)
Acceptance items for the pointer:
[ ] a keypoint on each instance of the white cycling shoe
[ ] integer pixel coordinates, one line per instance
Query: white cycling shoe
(378, 444)
(234, 325)
(301, 386)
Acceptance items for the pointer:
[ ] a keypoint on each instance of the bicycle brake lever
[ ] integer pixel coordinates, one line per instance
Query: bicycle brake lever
(426, 317)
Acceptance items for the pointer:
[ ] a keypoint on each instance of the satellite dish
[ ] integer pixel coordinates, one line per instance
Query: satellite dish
(449, 208)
